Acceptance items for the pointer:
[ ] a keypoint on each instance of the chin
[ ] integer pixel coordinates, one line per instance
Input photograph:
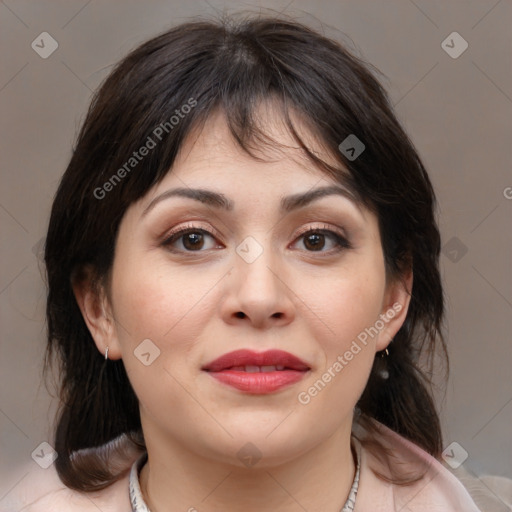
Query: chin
(255, 448)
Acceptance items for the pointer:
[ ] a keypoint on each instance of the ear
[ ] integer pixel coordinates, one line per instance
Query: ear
(97, 312)
(394, 310)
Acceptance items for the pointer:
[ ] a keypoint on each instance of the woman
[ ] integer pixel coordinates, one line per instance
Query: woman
(242, 264)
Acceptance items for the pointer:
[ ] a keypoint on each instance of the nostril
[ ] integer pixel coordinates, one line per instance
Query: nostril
(240, 314)
(277, 315)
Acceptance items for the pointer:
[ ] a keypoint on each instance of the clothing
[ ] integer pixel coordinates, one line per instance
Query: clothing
(138, 504)
(438, 490)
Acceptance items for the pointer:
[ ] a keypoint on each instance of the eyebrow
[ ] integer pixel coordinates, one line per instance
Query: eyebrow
(219, 200)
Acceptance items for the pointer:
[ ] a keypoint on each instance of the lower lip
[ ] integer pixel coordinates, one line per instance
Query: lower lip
(260, 383)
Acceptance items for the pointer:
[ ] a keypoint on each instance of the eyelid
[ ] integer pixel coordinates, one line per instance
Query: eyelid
(324, 227)
(182, 229)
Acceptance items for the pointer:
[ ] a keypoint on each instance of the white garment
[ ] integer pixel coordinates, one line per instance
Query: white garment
(438, 491)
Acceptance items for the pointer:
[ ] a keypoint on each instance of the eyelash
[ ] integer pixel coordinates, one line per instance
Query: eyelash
(341, 241)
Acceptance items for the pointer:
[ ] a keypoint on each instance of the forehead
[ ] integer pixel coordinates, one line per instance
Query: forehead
(271, 146)
(273, 167)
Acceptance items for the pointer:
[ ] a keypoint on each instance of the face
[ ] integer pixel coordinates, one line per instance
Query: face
(249, 266)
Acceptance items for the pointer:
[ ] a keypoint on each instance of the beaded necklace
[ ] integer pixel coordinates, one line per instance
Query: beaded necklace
(138, 504)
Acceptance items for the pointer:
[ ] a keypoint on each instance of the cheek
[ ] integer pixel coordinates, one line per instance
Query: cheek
(346, 304)
(152, 302)
(349, 308)
(170, 309)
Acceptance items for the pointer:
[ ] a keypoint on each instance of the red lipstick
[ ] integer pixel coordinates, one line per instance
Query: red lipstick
(257, 372)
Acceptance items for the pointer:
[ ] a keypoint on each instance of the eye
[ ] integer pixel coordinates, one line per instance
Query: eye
(190, 239)
(323, 240)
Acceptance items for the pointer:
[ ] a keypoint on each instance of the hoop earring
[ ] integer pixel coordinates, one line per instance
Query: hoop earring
(106, 353)
(384, 372)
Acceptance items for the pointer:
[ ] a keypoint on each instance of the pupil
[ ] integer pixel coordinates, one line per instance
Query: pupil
(193, 241)
(315, 241)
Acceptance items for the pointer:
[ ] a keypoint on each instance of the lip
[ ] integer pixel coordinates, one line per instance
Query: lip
(250, 358)
(226, 369)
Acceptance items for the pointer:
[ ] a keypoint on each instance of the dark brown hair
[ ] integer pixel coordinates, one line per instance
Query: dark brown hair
(230, 66)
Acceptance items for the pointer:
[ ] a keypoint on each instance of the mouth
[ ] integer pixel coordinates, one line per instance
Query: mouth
(256, 369)
(257, 372)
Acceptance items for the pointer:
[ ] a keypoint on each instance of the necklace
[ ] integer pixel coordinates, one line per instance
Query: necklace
(139, 505)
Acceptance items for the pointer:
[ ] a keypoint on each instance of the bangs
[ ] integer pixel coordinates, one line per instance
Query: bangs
(235, 74)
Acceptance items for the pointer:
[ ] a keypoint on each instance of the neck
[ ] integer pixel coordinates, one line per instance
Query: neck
(176, 480)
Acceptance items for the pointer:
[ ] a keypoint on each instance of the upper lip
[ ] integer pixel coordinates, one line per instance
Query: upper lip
(251, 358)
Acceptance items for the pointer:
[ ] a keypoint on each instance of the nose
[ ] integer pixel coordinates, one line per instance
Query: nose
(258, 293)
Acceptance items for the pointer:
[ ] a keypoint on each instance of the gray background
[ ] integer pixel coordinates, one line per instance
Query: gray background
(457, 111)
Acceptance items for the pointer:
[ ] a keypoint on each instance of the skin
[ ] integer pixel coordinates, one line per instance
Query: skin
(312, 303)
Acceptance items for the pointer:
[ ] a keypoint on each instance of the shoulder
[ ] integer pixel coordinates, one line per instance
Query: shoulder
(41, 490)
(435, 490)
